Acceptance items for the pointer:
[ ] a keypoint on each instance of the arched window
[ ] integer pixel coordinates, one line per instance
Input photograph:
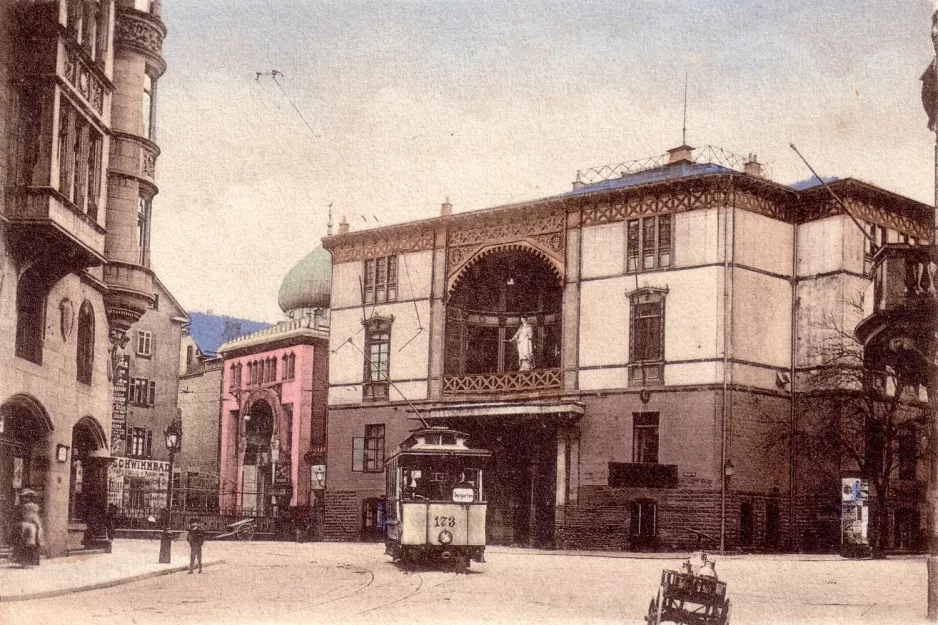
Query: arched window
(285, 370)
(85, 356)
(30, 317)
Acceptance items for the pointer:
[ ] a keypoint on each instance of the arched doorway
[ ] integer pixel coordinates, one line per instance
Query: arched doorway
(256, 470)
(87, 492)
(24, 430)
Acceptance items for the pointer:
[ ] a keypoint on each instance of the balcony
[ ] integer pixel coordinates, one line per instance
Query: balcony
(503, 383)
(901, 306)
(45, 220)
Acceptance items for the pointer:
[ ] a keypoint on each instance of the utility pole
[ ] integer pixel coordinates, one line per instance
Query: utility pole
(933, 383)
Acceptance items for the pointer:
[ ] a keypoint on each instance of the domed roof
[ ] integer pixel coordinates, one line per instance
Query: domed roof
(309, 283)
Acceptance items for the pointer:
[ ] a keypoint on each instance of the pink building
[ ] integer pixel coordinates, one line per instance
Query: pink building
(274, 397)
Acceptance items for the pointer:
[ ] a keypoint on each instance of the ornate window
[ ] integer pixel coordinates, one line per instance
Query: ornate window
(646, 336)
(289, 366)
(649, 243)
(85, 339)
(377, 359)
(79, 156)
(380, 279)
(30, 317)
(645, 437)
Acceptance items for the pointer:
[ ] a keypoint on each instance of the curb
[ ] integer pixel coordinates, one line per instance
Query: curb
(108, 584)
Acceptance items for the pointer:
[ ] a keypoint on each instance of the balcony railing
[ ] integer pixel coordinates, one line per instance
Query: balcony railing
(508, 382)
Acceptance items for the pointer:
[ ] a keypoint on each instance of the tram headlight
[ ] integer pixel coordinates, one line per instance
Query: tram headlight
(446, 537)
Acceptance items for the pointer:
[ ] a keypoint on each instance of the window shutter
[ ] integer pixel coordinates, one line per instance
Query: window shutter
(152, 393)
(358, 454)
(149, 448)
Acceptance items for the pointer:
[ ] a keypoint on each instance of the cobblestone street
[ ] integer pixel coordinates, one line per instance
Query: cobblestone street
(265, 582)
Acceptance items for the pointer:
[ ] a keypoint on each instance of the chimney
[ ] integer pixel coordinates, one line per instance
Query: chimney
(680, 153)
(577, 184)
(753, 167)
(446, 209)
(343, 226)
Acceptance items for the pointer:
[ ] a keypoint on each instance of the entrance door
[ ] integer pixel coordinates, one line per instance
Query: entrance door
(14, 476)
(372, 519)
(746, 524)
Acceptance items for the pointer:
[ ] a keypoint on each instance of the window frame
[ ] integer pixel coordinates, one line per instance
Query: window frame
(646, 362)
(369, 451)
(142, 438)
(645, 248)
(31, 310)
(380, 279)
(144, 344)
(644, 429)
(377, 335)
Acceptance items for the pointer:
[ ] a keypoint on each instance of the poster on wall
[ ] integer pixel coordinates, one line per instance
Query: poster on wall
(854, 516)
(119, 406)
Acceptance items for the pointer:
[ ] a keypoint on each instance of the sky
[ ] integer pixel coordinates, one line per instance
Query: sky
(401, 104)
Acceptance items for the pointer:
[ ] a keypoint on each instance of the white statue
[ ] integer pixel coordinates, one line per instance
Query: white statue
(524, 339)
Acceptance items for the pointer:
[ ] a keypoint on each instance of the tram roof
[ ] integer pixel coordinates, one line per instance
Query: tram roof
(436, 441)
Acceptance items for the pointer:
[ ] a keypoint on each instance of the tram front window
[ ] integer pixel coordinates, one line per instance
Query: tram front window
(460, 485)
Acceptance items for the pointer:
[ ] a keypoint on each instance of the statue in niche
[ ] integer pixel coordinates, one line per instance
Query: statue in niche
(524, 339)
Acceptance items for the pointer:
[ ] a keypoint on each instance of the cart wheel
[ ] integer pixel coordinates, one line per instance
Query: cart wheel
(246, 532)
(652, 617)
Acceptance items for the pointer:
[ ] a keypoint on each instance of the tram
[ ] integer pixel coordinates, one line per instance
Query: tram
(435, 499)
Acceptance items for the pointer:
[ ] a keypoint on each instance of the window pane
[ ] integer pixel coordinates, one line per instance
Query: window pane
(648, 243)
(664, 240)
(358, 454)
(632, 245)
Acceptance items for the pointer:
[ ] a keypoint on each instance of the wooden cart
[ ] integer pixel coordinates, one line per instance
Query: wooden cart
(688, 599)
(239, 530)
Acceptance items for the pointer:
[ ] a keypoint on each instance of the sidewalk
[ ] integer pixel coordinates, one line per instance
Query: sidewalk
(131, 560)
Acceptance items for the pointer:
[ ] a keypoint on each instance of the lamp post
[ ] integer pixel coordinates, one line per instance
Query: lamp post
(173, 436)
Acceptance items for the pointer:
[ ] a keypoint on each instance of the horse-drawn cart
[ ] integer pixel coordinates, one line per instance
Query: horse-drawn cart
(688, 599)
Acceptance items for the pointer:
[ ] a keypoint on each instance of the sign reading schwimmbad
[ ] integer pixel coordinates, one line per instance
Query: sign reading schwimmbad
(136, 483)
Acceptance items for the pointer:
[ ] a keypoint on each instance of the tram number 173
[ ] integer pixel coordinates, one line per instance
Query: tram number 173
(444, 521)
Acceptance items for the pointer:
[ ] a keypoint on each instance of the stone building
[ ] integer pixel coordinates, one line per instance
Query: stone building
(675, 306)
(77, 164)
(138, 478)
(273, 412)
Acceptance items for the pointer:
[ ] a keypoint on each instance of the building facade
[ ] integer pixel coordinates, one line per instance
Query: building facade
(674, 314)
(77, 166)
(138, 478)
(273, 410)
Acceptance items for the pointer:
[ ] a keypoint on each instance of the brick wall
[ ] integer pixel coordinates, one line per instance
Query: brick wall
(342, 517)
(687, 520)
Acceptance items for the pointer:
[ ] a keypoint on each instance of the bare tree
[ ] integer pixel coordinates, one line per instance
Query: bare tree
(860, 419)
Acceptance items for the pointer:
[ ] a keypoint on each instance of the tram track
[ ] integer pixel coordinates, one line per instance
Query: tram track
(415, 592)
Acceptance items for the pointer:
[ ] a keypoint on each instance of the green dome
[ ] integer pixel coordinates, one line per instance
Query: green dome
(309, 283)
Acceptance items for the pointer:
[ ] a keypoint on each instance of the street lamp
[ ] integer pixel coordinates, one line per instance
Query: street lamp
(173, 436)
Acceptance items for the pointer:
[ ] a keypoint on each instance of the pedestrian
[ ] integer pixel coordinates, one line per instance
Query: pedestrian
(31, 535)
(196, 537)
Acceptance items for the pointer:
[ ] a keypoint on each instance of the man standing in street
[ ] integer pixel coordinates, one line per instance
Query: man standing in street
(196, 537)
